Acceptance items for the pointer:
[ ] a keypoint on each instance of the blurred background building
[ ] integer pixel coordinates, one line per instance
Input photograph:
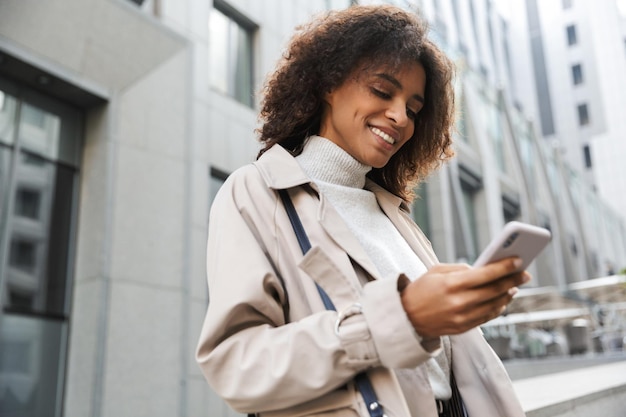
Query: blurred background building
(120, 119)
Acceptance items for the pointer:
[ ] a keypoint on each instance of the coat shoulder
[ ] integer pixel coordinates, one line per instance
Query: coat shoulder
(244, 186)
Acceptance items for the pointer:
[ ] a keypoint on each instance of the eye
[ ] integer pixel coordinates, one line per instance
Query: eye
(382, 94)
(411, 114)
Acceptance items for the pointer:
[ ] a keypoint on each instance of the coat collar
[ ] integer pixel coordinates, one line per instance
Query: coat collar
(280, 170)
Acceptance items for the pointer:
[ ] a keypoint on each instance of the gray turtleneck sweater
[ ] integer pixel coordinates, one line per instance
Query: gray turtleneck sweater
(341, 179)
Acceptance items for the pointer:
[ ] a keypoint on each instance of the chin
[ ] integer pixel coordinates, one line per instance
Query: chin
(378, 164)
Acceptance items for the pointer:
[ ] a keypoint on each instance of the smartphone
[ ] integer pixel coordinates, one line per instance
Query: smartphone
(516, 239)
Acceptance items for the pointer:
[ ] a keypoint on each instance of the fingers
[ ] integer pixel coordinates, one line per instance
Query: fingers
(496, 291)
(489, 310)
(453, 298)
(444, 268)
(496, 297)
(504, 284)
(485, 275)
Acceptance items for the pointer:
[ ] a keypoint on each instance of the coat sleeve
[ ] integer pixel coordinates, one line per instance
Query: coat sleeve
(249, 355)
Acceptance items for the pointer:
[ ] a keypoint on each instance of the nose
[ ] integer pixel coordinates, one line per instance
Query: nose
(397, 112)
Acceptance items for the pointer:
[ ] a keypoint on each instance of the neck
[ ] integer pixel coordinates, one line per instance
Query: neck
(325, 161)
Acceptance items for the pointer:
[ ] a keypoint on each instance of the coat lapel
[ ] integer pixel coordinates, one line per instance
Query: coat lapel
(337, 229)
(395, 209)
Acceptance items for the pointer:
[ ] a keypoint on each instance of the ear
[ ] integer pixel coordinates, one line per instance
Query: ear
(324, 114)
(327, 97)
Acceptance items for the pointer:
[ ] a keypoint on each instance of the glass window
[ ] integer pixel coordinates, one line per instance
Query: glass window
(583, 114)
(491, 35)
(217, 178)
(465, 189)
(577, 74)
(587, 156)
(39, 154)
(572, 39)
(7, 118)
(31, 360)
(528, 155)
(230, 54)
(553, 177)
(469, 195)
(505, 47)
(573, 246)
(493, 115)
(464, 250)
(421, 213)
(27, 202)
(39, 131)
(510, 209)
(38, 232)
(498, 139)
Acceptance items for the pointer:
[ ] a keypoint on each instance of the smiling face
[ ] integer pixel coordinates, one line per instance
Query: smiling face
(372, 114)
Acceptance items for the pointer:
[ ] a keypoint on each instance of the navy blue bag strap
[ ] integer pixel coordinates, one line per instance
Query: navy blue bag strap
(303, 240)
(361, 380)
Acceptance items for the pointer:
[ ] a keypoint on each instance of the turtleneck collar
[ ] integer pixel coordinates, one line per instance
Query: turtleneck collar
(325, 161)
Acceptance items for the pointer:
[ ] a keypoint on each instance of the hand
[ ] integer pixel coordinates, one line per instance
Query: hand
(452, 298)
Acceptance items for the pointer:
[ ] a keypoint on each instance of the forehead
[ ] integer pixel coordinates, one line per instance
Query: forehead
(408, 76)
(407, 68)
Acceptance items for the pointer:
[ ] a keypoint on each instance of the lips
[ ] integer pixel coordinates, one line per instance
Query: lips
(384, 136)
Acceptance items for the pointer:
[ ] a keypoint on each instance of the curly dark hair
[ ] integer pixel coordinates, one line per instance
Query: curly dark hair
(325, 52)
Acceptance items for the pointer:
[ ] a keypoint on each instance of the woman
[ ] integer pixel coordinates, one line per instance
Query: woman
(358, 111)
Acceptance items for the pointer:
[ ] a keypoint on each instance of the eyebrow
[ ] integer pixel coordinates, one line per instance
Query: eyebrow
(397, 84)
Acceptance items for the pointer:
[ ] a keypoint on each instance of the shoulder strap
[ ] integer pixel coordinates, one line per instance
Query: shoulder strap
(303, 241)
(361, 380)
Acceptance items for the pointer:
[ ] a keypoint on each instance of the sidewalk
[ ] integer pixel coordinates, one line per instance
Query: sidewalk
(593, 391)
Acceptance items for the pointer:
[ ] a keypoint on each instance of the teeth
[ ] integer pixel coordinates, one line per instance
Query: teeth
(383, 135)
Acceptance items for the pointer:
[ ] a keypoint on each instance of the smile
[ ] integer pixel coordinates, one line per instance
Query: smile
(383, 135)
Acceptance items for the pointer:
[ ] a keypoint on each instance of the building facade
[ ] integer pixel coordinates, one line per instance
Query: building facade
(120, 119)
(579, 58)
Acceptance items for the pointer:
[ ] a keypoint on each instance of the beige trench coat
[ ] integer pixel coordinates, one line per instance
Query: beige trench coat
(269, 346)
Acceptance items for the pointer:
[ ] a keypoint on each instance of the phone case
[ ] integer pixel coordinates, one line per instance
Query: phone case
(516, 239)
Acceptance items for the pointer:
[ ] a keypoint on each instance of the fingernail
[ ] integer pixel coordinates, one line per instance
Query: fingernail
(517, 262)
(525, 278)
(513, 291)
